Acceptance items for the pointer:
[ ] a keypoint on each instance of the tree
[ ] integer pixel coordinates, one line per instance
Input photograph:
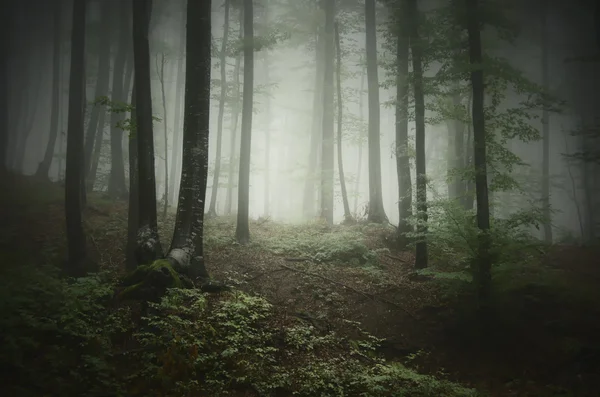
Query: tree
(402, 154)
(212, 209)
(5, 16)
(160, 66)
(76, 238)
(149, 247)
(347, 215)
(483, 267)
(376, 211)
(545, 128)
(242, 231)
(133, 223)
(327, 118)
(421, 256)
(44, 165)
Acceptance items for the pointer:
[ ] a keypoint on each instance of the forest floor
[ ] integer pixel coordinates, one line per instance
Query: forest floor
(542, 338)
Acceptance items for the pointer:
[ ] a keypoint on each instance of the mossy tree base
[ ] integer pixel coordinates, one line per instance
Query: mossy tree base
(150, 282)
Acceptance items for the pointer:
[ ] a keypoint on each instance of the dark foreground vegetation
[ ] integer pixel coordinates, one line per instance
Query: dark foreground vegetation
(312, 310)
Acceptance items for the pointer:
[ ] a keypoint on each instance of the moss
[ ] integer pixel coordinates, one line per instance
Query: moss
(150, 282)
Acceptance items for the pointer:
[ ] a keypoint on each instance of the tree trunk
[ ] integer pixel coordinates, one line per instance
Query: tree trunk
(165, 121)
(76, 238)
(482, 272)
(421, 256)
(212, 209)
(402, 154)
(235, 113)
(186, 252)
(148, 242)
(5, 19)
(455, 154)
(327, 148)
(376, 211)
(309, 196)
(266, 65)
(133, 224)
(116, 184)
(546, 130)
(242, 231)
(44, 167)
(347, 215)
(360, 141)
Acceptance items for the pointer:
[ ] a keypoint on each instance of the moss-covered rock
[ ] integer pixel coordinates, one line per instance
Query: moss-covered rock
(150, 282)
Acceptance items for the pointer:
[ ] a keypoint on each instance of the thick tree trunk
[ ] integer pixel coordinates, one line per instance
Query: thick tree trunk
(148, 243)
(402, 153)
(421, 256)
(76, 238)
(347, 215)
(266, 67)
(212, 209)
(376, 211)
(242, 232)
(482, 272)
(327, 148)
(44, 167)
(186, 253)
(116, 184)
(546, 130)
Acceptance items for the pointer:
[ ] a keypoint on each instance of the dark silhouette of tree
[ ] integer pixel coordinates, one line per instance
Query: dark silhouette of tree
(5, 17)
(242, 231)
(545, 126)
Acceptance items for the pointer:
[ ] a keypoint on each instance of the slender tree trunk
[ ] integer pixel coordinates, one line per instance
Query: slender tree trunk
(402, 153)
(44, 167)
(421, 257)
(327, 148)
(347, 215)
(235, 113)
(76, 238)
(212, 209)
(242, 231)
(99, 141)
(266, 66)
(455, 153)
(483, 270)
(546, 130)
(165, 120)
(5, 19)
(186, 249)
(149, 247)
(310, 187)
(116, 184)
(376, 211)
(360, 141)
(133, 224)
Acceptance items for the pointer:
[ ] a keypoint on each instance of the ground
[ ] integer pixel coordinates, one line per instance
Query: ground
(542, 336)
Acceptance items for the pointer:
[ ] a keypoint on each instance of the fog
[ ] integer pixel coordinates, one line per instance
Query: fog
(283, 104)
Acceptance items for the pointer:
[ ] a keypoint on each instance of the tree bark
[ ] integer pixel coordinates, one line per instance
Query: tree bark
(402, 154)
(242, 231)
(5, 18)
(133, 224)
(376, 211)
(347, 215)
(165, 121)
(327, 148)
(360, 141)
(212, 209)
(546, 128)
(482, 272)
(148, 242)
(76, 238)
(421, 256)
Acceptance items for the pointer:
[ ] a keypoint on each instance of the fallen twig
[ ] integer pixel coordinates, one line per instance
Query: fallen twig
(365, 294)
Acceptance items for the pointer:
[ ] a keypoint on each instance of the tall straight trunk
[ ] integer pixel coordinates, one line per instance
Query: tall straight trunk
(102, 85)
(468, 185)
(161, 78)
(309, 196)
(402, 153)
(76, 238)
(455, 153)
(5, 19)
(116, 184)
(347, 214)
(327, 149)
(212, 209)
(482, 273)
(242, 232)
(421, 256)
(376, 211)
(133, 224)
(186, 249)
(180, 83)
(361, 116)
(149, 247)
(44, 167)
(546, 129)
(235, 113)
(266, 65)
(95, 160)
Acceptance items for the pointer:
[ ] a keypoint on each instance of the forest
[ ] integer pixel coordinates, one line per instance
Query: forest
(300, 198)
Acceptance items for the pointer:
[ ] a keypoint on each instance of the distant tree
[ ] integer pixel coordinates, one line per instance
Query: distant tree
(545, 125)
(161, 60)
(76, 239)
(242, 230)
